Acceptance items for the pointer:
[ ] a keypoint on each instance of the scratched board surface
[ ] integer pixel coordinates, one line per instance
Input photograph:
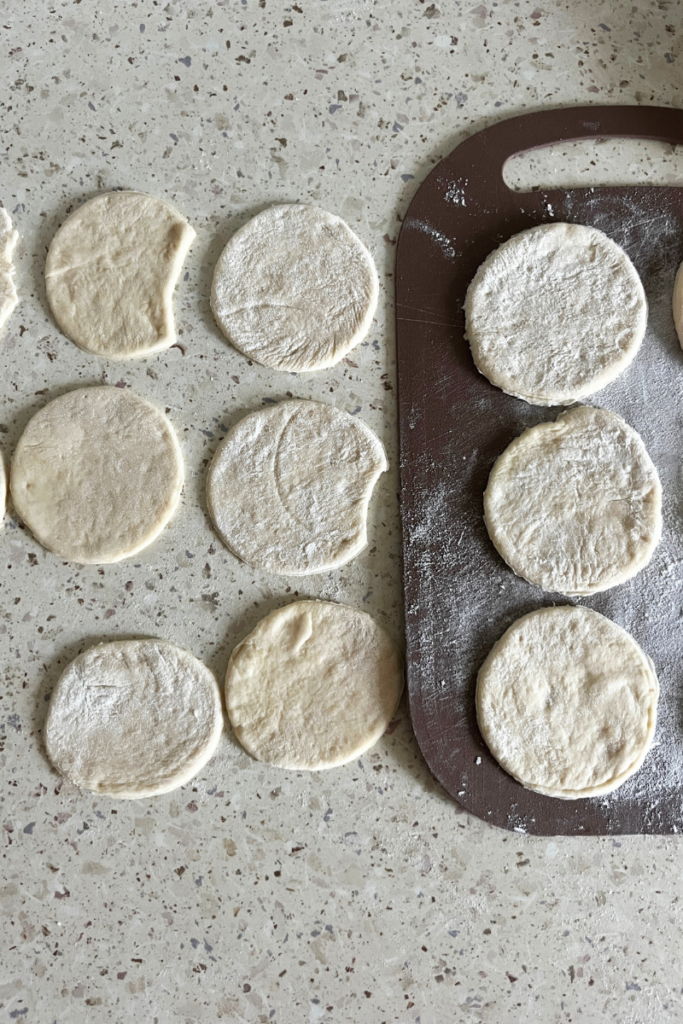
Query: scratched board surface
(460, 596)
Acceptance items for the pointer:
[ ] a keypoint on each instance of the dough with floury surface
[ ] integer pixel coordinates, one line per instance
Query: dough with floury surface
(567, 702)
(575, 506)
(295, 289)
(313, 686)
(133, 718)
(8, 292)
(97, 474)
(289, 487)
(555, 313)
(111, 270)
(3, 489)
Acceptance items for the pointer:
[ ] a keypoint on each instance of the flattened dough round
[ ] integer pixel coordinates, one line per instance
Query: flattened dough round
(111, 271)
(575, 506)
(678, 304)
(97, 474)
(133, 718)
(3, 489)
(567, 702)
(295, 288)
(313, 686)
(555, 313)
(8, 291)
(289, 487)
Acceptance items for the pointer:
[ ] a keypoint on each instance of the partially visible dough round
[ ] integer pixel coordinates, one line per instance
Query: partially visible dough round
(555, 313)
(289, 487)
(567, 702)
(295, 288)
(678, 304)
(3, 489)
(97, 474)
(111, 271)
(313, 686)
(575, 506)
(8, 292)
(133, 718)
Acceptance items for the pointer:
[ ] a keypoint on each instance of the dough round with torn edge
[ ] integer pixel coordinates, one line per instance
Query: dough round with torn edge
(111, 270)
(8, 292)
(555, 313)
(575, 506)
(313, 686)
(97, 474)
(567, 702)
(295, 289)
(133, 718)
(289, 487)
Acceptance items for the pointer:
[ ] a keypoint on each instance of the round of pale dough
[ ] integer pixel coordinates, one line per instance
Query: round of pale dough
(295, 288)
(567, 702)
(133, 718)
(111, 271)
(289, 487)
(313, 686)
(97, 474)
(575, 506)
(3, 489)
(678, 304)
(555, 313)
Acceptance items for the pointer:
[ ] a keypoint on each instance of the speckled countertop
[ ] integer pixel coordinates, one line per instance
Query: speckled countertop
(255, 895)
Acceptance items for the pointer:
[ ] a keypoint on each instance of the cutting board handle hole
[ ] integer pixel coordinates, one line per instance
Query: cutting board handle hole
(592, 163)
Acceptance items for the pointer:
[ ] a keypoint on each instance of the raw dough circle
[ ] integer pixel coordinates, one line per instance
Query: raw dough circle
(313, 686)
(295, 288)
(575, 506)
(111, 271)
(3, 489)
(678, 304)
(133, 718)
(289, 487)
(567, 702)
(97, 474)
(555, 313)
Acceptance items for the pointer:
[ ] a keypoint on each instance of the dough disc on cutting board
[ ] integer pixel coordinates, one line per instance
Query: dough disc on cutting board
(111, 271)
(289, 487)
(575, 506)
(555, 313)
(566, 702)
(133, 718)
(295, 288)
(97, 474)
(8, 291)
(313, 686)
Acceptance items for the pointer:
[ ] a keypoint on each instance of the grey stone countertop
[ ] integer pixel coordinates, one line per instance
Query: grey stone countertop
(360, 894)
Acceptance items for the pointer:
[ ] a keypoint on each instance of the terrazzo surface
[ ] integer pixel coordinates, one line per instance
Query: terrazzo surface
(361, 894)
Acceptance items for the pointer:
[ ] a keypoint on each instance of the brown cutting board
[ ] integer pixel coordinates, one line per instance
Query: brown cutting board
(460, 596)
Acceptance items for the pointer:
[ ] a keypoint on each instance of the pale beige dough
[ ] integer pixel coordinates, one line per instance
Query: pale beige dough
(678, 304)
(133, 718)
(555, 313)
(313, 686)
(289, 487)
(8, 291)
(111, 271)
(97, 474)
(3, 489)
(295, 288)
(575, 506)
(566, 702)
